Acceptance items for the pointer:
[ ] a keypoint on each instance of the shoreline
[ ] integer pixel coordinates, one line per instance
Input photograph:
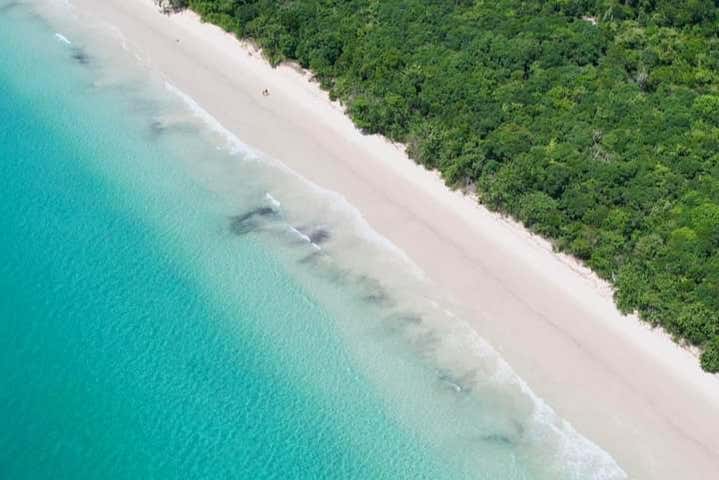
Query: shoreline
(615, 379)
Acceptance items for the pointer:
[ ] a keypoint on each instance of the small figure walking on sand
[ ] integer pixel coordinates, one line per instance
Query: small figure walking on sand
(265, 93)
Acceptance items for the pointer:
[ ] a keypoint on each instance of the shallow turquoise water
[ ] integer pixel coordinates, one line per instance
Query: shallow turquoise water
(114, 363)
(141, 338)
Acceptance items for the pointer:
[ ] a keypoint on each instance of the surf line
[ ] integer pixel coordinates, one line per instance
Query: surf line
(304, 237)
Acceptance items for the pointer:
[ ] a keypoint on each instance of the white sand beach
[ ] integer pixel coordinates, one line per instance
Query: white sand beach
(628, 388)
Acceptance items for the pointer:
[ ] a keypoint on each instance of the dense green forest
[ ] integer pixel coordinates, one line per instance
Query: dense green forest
(594, 122)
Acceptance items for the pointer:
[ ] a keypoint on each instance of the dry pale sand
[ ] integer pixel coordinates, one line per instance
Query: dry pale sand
(626, 387)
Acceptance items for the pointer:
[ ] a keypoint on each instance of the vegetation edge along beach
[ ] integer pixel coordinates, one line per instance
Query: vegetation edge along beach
(594, 123)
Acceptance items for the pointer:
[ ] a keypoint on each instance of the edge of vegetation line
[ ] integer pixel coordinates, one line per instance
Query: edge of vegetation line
(595, 123)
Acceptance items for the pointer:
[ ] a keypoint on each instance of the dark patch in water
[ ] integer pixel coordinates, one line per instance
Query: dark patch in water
(410, 319)
(246, 222)
(160, 126)
(498, 438)
(331, 272)
(320, 235)
(507, 439)
(80, 56)
(426, 343)
(400, 324)
(456, 382)
(8, 6)
(317, 235)
(377, 298)
(373, 292)
(157, 128)
(311, 257)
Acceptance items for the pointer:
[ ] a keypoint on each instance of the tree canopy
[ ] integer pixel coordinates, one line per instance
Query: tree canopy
(594, 122)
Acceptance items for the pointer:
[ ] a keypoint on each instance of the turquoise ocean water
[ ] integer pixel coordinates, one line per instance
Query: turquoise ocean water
(162, 314)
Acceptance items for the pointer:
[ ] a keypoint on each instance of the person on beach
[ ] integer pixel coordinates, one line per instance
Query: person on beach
(265, 93)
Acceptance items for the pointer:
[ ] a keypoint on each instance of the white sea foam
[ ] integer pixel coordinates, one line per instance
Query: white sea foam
(234, 144)
(272, 200)
(63, 38)
(299, 234)
(304, 237)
